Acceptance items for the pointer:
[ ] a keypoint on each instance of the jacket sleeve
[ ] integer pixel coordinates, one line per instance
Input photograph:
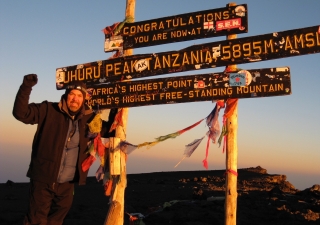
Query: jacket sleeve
(22, 110)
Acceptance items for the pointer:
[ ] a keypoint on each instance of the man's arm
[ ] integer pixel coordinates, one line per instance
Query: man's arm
(22, 110)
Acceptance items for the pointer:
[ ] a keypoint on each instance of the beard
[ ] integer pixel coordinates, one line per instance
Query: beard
(73, 106)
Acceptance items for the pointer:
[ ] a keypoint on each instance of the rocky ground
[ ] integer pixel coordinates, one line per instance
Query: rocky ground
(183, 198)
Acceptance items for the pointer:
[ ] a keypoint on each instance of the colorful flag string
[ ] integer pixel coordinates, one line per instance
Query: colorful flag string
(172, 135)
(96, 147)
(214, 129)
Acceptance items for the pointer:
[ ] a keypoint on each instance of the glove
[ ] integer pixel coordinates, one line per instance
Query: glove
(30, 80)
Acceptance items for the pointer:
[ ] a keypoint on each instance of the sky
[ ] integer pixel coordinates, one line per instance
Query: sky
(280, 134)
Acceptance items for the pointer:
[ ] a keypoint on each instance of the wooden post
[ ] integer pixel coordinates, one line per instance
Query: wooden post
(231, 158)
(118, 158)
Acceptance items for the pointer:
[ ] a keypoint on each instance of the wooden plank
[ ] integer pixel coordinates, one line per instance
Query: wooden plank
(231, 193)
(114, 156)
(201, 87)
(113, 213)
(242, 50)
(183, 27)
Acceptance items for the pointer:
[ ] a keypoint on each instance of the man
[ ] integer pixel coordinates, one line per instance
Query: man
(58, 149)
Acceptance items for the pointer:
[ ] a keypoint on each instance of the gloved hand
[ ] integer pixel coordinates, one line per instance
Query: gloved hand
(30, 80)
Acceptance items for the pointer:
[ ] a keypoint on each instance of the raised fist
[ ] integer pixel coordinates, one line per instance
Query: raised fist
(30, 80)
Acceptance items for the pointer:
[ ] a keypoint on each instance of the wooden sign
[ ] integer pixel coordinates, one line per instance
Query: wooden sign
(209, 55)
(183, 27)
(203, 87)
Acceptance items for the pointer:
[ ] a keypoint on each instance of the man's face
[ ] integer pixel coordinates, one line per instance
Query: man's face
(74, 100)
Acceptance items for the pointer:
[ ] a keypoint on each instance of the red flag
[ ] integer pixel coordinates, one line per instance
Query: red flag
(87, 163)
(109, 30)
(205, 161)
(117, 120)
(98, 145)
(189, 128)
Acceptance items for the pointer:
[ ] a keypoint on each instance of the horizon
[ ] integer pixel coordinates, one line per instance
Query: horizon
(300, 180)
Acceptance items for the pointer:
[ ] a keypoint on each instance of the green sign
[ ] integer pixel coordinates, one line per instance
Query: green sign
(193, 88)
(183, 27)
(236, 51)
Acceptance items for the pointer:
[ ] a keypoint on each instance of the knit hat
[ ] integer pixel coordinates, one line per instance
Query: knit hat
(77, 85)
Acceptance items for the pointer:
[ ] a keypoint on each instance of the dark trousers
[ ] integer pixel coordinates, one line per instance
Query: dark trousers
(48, 204)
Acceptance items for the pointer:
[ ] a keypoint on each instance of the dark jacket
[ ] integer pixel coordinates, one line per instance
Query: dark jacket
(50, 136)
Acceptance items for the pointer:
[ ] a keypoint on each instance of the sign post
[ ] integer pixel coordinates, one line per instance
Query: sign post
(231, 193)
(116, 209)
